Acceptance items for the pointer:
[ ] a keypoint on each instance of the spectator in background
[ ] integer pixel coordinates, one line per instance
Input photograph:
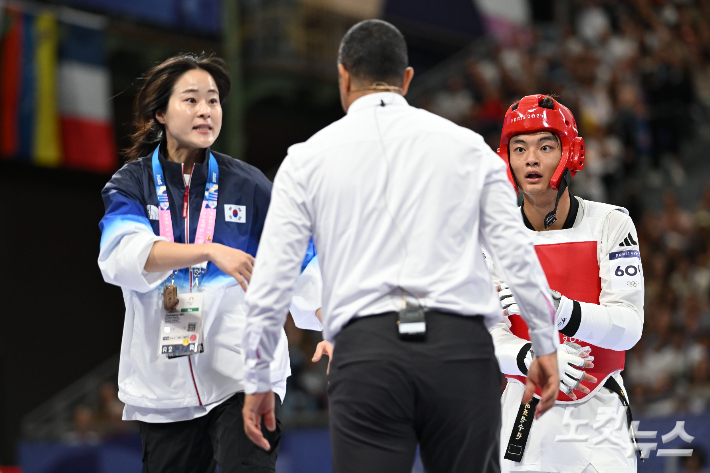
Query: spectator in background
(85, 431)
(701, 74)
(679, 279)
(669, 91)
(695, 317)
(454, 102)
(699, 389)
(593, 23)
(626, 125)
(109, 412)
(674, 219)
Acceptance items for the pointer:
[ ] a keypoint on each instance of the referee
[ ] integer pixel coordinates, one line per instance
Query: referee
(399, 203)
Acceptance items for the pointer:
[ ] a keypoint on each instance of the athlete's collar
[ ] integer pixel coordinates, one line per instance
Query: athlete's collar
(571, 215)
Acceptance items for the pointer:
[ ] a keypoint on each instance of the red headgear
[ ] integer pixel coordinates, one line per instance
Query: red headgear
(527, 116)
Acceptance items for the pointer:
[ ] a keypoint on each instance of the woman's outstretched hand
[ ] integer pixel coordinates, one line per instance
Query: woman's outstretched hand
(233, 262)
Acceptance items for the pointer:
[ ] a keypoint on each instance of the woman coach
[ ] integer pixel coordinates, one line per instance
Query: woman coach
(179, 235)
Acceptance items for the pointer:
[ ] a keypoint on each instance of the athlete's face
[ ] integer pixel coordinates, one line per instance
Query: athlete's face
(533, 159)
(193, 117)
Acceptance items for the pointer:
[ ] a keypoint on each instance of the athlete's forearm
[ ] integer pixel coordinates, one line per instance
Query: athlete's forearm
(166, 256)
(510, 350)
(616, 327)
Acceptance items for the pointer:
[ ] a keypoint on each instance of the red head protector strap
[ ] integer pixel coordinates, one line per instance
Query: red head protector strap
(528, 116)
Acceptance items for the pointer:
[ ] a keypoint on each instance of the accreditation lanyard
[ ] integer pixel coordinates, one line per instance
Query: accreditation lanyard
(208, 213)
(181, 325)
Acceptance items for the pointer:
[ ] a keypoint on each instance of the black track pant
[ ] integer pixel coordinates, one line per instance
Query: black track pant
(198, 445)
(388, 395)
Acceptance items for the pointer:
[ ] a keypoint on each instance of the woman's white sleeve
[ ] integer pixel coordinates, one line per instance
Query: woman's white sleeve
(306, 299)
(126, 241)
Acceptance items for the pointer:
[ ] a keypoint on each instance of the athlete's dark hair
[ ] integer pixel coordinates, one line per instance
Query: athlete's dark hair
(545, 102)
(158, 85)
(374, 50)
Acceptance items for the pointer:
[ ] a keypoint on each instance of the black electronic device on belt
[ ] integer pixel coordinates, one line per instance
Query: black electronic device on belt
(411, 322)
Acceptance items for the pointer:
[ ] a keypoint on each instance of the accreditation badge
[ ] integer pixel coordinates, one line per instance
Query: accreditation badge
(181, 327)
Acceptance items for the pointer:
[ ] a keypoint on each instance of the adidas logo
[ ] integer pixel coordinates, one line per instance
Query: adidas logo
(629, 241)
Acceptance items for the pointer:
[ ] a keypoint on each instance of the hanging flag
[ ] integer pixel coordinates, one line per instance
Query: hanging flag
(47, 140)
(26, 115)
(55, 90)
(10, 79)
(84, 101)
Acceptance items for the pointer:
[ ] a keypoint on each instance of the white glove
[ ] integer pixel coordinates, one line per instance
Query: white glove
(570, 365)
(507, 301)
(563, 305)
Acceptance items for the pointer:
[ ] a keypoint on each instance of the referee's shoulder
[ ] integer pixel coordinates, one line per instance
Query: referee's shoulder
(424, 121)
(333, 135)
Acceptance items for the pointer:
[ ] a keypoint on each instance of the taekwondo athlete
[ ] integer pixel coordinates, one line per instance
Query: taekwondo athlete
(590, 254)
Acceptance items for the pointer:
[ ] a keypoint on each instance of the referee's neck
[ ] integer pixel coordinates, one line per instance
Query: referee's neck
(352, 89)
(353, 96)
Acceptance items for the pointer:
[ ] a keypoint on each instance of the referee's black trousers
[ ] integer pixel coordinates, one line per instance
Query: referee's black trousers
(388, 395)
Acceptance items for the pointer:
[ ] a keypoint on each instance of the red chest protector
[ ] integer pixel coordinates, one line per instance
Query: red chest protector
(573, 270)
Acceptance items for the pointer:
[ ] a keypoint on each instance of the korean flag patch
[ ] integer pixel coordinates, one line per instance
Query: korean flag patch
(235, 213)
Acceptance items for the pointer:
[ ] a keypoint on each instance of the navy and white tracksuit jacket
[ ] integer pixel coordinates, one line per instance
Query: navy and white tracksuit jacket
(148, 381)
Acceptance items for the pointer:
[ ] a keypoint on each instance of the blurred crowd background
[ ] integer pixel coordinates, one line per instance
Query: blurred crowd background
(635, 73)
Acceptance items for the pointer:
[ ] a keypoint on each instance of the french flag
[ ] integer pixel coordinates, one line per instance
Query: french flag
(85, 110)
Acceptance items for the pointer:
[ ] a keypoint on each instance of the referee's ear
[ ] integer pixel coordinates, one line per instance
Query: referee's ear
(408, 75)
(344, 79)
(344, 86)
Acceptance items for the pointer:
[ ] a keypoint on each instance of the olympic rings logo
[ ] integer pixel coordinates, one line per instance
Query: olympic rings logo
(632, 283)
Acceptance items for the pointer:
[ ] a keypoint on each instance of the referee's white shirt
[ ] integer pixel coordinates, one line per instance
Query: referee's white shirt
(394, 196)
